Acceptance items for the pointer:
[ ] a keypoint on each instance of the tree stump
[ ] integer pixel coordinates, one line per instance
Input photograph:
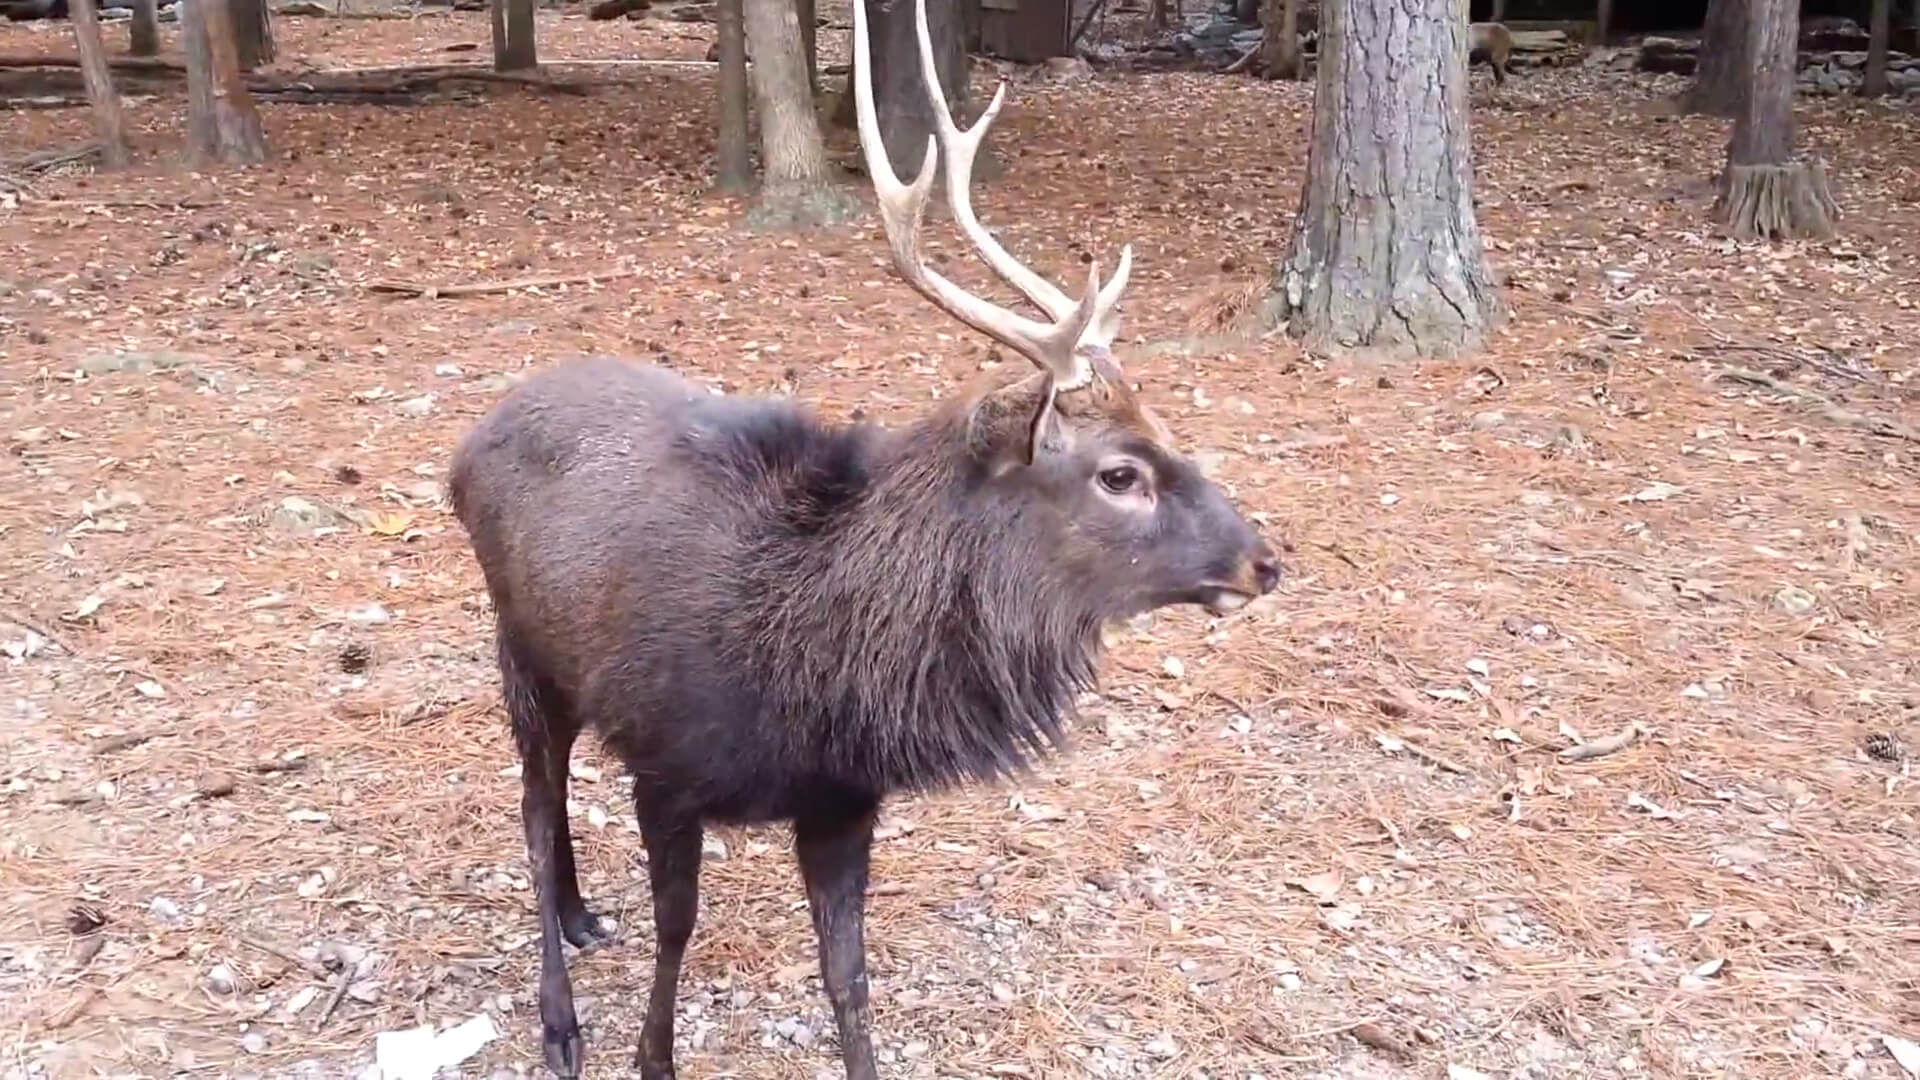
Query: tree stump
(1776, 202)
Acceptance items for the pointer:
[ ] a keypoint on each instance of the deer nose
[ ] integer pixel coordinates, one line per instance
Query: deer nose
(1266, 572)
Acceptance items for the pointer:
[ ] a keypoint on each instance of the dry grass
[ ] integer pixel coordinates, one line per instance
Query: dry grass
(1345, 840)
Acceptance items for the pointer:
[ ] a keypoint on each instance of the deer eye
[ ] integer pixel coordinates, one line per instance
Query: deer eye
(1120, 479)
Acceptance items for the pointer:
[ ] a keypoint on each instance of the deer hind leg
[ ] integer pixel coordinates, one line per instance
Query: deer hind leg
(544, 733)
(833, 847)
(673, 867)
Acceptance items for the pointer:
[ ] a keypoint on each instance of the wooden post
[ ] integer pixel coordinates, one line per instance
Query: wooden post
(93, 70)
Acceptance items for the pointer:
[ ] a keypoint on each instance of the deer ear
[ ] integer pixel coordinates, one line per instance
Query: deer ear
(1014, 426)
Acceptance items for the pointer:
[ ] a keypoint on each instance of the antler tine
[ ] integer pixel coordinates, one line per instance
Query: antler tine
(1050, 346)
(960, 146)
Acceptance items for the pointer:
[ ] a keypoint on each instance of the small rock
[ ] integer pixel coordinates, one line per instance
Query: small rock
(417, 406)
(213, 784)
(220, 979)
(164, 909)
(253, 1043)
(369, 615)
(1162, 1047)
(1794, 600)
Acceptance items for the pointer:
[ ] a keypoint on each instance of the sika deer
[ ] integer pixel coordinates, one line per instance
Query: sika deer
(770, 618)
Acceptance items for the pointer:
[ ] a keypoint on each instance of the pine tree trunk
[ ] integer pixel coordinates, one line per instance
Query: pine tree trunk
(1874, 83)
(797, 189)
(253, 32)
(900, 90)
(1280, 39)
(731, 153)
(1720, 75)
(513, 44)
(100, 92)
(809, 39)
(143, 33)
(1386, 255)
(222, 124)
(1499, 11)
(1765, 192)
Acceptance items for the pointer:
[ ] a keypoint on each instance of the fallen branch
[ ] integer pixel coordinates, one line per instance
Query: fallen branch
(1246, 58)
(1871, 423)
(489, 288)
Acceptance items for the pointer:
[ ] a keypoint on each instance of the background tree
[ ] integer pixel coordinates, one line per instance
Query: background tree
(899, 86)
(731, 157)
(810, 42)
(1874, 82)
(1765, 192)
(796, 187)
(99, 80)
(143, 32)
(1720, 73)
(252, 32)
(1386, 255)
(222, 124)
(1280, 39)
(513, 39)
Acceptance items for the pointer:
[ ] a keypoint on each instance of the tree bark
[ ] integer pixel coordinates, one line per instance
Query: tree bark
(252, 32)
(1720, 75)
(143, 33)
(900, 89)
(797, 189)
(731, 153)
(222, 123)
(513, 47)
(497, 22)
(1280, 39)
(1386, 255)
(1874, 82)
(93, 70)
(810, 41)
(1765, 192)
(1603, 18)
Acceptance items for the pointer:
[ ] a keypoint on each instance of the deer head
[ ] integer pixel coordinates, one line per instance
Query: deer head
(1072, 436)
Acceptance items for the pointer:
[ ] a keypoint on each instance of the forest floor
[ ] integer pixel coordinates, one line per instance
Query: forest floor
(249, 723)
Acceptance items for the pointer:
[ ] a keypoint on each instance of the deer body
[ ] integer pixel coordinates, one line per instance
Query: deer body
(772, 618)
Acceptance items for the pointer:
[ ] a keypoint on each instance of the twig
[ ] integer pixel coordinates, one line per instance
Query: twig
(489, 288)
(1432, 758)
(29, 625)
(308, 966)
(1598, 748)
(344, 980)
(1871, 423)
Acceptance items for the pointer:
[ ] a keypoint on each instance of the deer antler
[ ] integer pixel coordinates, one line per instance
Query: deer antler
(1053, 347)
(959, 148)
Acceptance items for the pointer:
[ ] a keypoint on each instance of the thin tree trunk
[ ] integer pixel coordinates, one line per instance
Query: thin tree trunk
(1603, 18)
(900, 89)
(1157, 14)
(809, 39)
(513, 47)
(497, 20)
(1720, 74)
(797, 189)
(143, 33)
(252, 32)
(1280, 39)
(222, 124)
(1499, 11)
(1765, 192)
(1386, 255)
(731, 158)
(99, 80)
(1874, 82)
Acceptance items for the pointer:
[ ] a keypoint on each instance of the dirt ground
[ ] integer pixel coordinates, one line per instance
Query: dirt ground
(252, 737)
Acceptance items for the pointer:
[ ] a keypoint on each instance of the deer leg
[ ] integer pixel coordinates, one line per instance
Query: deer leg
(833, 850)
(673, 865)
(545, 730)
(544, 735)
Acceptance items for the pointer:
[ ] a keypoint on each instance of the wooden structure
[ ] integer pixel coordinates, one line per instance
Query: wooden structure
(1026, 31)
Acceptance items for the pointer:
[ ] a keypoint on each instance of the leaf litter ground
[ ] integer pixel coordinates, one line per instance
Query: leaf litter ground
(1575, 744)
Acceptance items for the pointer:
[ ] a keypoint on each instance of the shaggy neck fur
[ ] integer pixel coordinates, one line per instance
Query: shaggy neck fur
(913, 626)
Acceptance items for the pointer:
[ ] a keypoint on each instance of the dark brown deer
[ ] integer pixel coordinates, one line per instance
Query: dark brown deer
(770, 618)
